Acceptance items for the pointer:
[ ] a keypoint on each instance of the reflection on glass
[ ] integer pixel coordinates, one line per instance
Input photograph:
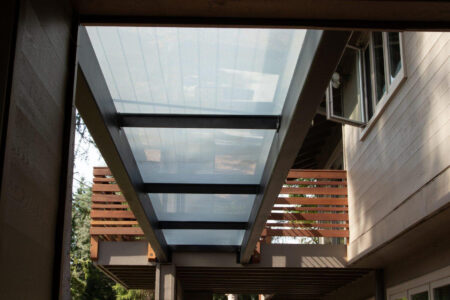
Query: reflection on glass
(420, 296)
(380, 81)
(197, 70)
(442, 293)
(402, 298)
(203, 237)
(186, 155)
(346, 89)
(202, 207)
(395, 61)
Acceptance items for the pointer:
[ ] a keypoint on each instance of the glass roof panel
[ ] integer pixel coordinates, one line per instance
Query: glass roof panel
(202, 207)
(197, 70)
(203, 237)
(182, 155)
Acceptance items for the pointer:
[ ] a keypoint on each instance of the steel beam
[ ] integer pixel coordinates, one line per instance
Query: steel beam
(318, 59)
(96, 106)
(199, 121)
(201, 225)
(187, 188)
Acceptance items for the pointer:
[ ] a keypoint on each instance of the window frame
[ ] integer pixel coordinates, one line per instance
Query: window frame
(329, 95)
(391, 86)
(437, 284)
(419, 289)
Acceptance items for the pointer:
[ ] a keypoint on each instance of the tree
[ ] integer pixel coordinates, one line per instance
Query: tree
(87, 282)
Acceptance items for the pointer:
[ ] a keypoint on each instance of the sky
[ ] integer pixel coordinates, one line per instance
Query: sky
(87, 157)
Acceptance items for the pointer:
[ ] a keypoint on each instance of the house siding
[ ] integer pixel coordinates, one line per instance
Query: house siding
(398, 175)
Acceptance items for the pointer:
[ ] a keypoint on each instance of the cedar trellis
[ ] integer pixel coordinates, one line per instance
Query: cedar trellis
(312, 203)
(111, 217)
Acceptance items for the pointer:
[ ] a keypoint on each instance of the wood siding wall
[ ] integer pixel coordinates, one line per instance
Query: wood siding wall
(33, 161)
(399, 174)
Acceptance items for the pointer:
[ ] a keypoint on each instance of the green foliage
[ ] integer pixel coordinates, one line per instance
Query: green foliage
(124, 294)
(87, 282)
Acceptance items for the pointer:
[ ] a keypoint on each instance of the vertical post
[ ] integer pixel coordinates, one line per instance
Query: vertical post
(379, 285)
(94, 248)
(165, 282)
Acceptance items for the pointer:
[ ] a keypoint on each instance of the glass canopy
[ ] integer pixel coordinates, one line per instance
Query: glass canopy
(202, 71)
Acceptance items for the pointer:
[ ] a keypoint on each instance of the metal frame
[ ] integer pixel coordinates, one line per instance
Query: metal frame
(99, 112)
(199, 121)
(320, 54)
(314, 67)
(252, 22)
(188, 188)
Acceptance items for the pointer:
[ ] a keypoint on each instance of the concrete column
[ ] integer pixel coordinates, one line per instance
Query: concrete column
(165, 282)
(380, 291)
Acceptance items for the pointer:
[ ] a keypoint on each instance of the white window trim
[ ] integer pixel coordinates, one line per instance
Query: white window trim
(417, 290)
(438, 284)
(435, 279)
(391, 88)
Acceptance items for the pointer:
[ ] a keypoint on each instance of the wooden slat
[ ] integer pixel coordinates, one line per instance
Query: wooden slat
(329, 174)
(102, 198)
(314, 191)
(134, 231)
(94, 248)
(323, 182)
(150, 253)
(112, 214)
(305, 233)
(312, 201)
(302, 208)
(306, 225)
(96, 187)
(104, 179)
(102, 171)
(113, 223)
(308, 217)
(109, 206)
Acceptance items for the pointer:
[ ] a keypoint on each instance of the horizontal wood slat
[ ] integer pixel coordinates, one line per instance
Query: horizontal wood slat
(102, 171)
(109, 206)
(315, 209)
(312, 201)
(113, 223)
(305, 233)
(319, 183)
(98, 187)
(135, 231)
(314, 190)
(317, 174)
(103, 198)
(306, 225)
(309, 217)
(112, 214)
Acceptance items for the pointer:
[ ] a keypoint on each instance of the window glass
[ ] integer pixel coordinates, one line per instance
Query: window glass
(380, 82)
(399, 298)
(442, 293)
(420, 296)
(367, 81)
(395, 61)
(346, 89)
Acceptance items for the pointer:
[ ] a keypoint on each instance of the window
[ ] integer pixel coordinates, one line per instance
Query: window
(370, 71)
(441, 289)
(419, 293)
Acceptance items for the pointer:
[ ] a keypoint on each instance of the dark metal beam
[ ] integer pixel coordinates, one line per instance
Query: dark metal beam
(204, 248)
(187, 188)
(201, 225)
(318, 59)
(253, 22)
(96, 106)
(199, 121)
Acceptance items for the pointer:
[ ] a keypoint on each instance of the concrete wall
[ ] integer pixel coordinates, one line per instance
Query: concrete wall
(31, 200)
(398, 175)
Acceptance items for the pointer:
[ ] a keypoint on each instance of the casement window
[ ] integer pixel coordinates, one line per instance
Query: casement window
(370, 71)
